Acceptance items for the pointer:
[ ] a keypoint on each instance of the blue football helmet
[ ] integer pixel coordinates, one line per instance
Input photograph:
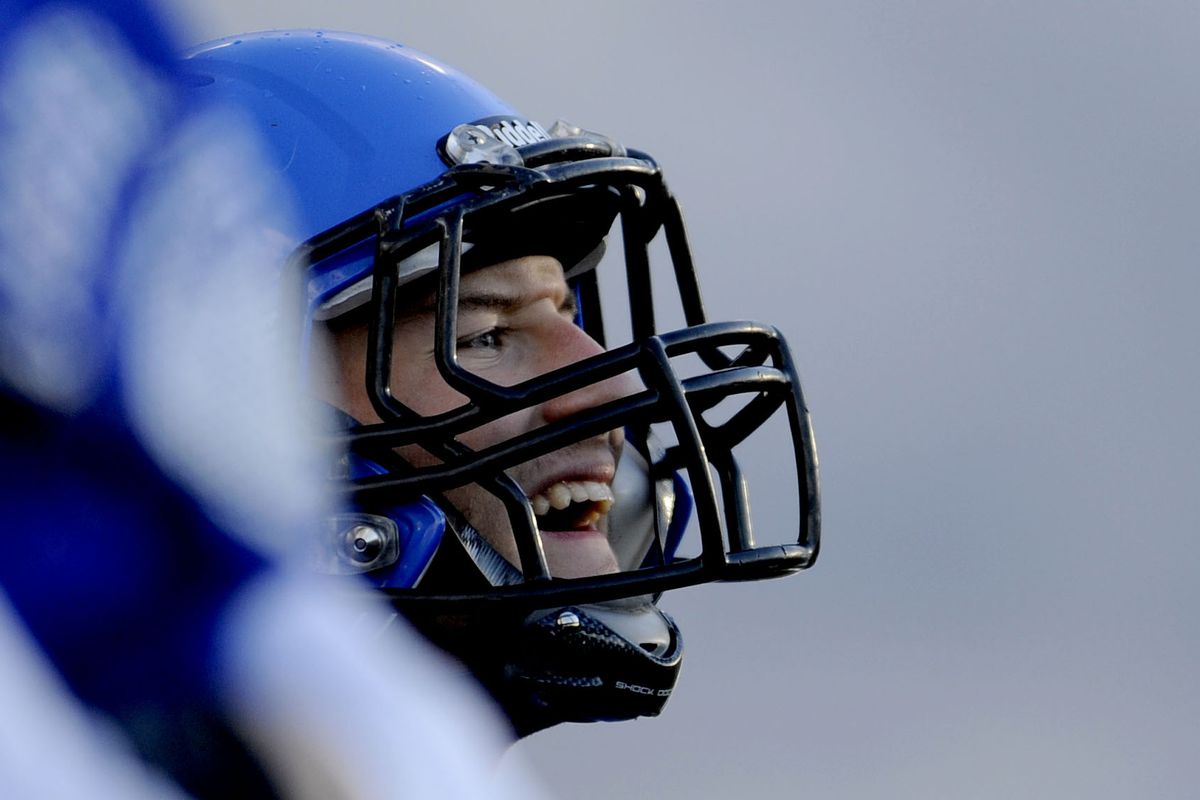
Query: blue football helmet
(411, 177)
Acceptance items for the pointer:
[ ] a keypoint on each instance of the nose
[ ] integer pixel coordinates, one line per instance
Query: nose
(574, 345)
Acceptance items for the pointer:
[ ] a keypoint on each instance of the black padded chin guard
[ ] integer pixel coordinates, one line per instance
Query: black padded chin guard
(568, 666)
(560, 665)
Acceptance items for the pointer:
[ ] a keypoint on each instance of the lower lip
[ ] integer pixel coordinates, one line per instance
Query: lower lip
(579, 553)
(583, 533)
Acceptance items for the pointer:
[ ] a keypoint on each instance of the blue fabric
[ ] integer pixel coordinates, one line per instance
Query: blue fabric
(114, 568)
(141, 25)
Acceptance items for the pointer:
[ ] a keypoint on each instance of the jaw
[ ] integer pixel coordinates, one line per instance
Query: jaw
(578, 554)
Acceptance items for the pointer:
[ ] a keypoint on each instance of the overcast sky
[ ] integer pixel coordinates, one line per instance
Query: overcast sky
(978, 224)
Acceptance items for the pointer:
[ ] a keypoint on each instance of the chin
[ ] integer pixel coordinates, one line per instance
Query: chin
(578, 554)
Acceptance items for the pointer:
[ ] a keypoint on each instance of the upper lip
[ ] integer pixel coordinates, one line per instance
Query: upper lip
(598, 472)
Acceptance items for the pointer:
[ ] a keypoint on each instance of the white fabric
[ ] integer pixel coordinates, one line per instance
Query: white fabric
(76, 110)
(211, 362)
(343, 701)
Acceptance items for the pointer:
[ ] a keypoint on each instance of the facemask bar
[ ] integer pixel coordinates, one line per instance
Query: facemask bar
(764, 369)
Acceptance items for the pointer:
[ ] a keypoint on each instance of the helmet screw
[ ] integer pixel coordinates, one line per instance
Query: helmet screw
(364, 543)
(567, 619)
(474, 144)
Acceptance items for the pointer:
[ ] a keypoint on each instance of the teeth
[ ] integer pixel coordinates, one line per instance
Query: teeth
(559, 495)
(563, 493)
(601, 495)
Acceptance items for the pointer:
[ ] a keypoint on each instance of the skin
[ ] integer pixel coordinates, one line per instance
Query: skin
(515, 323)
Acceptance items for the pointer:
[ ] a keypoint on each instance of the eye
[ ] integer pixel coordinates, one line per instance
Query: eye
(491, 339)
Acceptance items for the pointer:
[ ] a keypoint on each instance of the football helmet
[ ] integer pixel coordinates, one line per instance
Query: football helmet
(411, 178)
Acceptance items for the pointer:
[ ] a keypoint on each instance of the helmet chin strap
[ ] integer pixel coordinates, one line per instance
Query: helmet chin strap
(495, 568)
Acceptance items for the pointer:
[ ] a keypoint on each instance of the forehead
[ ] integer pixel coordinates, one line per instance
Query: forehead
(528, 274)
(504, 285)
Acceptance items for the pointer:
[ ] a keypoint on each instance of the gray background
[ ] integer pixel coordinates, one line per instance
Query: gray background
(977, 223)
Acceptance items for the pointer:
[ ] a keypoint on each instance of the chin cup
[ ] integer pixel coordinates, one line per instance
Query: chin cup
(588, 663)
(580, 663)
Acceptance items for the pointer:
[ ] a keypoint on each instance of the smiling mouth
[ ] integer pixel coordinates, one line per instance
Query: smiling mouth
(571, 505)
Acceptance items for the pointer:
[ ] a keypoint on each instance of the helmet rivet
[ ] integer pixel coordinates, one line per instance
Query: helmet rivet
(364, 543)
(567, 619)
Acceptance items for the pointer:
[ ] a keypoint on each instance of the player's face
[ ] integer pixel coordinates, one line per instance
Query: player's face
(515, 322)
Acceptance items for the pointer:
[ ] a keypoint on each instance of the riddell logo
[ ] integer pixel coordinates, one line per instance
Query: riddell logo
(515, 132)
(646, 690)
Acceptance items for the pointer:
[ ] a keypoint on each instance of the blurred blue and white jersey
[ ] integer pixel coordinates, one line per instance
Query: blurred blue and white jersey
(157, 470)
(50, 746)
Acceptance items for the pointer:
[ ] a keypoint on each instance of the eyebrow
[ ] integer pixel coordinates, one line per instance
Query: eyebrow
(487, 300)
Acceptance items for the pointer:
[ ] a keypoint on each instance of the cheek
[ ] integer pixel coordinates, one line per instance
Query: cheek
(500, 430)
(422, 389)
